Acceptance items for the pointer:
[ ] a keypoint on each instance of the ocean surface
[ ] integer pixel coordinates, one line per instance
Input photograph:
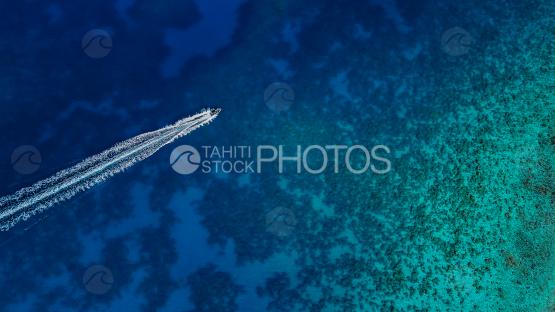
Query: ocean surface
(370, 155)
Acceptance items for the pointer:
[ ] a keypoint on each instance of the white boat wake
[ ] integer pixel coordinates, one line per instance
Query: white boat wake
(93, 170)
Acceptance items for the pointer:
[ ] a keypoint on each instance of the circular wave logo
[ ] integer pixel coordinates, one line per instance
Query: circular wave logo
(98, 279)
(97, 43)
(456, 41)
(526, 157)
(281, 221)
(279, 96)
(463, 281)
(185, 159)
(26, 159)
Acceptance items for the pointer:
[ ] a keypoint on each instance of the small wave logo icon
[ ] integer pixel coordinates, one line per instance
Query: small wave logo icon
(456, 41)
(526, 157)
(185, 159)
(462, 281)
(26, 159)
(281, 221)
(98, 279)
(97, 43)
(279, 96)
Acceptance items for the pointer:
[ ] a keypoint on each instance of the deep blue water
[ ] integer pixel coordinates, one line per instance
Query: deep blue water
(432, 123)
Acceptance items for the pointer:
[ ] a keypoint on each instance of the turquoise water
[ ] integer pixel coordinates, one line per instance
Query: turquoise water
(460, 93)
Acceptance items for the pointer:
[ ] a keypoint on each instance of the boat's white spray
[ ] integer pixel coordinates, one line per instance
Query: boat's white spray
(94, 170)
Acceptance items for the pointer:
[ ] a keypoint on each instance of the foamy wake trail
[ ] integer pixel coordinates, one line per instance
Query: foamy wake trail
(93, 170)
